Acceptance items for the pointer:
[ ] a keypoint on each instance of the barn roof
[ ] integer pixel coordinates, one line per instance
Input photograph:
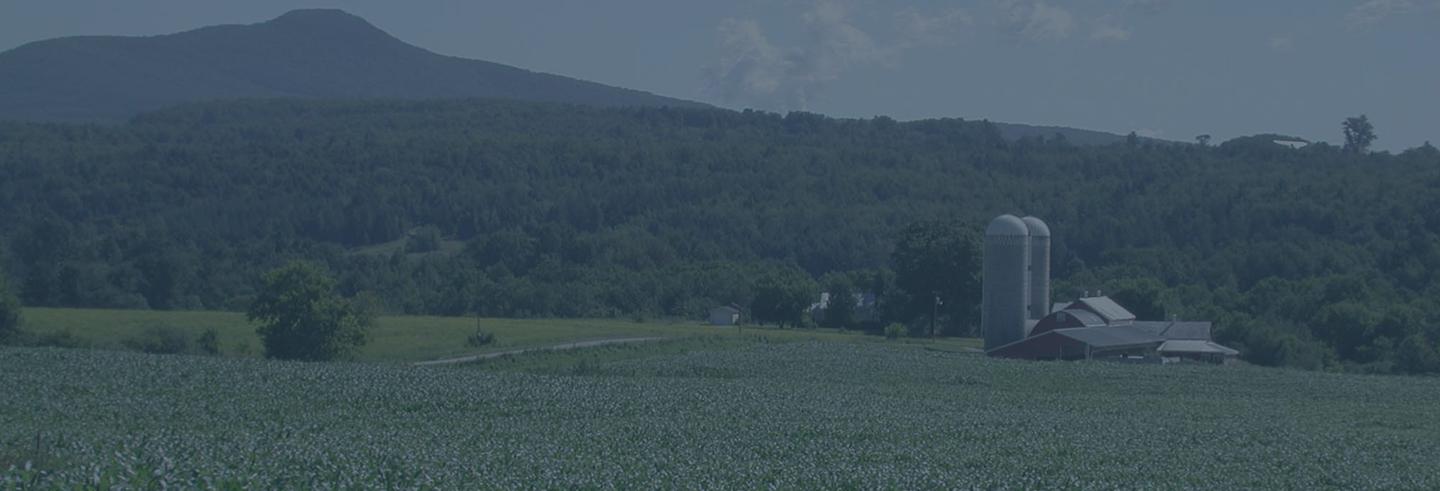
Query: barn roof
(1086, 317)
(1107, 309)
(1176, 329)
(1195, 346)
(1109, 337)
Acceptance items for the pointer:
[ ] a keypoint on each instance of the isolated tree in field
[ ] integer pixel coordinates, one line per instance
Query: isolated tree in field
(939, 258)
(1359, 134)
(9, 312)
(302, 318)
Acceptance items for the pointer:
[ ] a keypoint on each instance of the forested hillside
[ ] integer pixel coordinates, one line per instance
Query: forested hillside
(1312, 257)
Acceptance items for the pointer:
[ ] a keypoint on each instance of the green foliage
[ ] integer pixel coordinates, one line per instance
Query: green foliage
(840, 313)
(1418, 354)
(479, 338)
(162, 340)
(302, 318)
(209, 342)
(422, 240)
(1359, 134)
(939, 258)
(587, 212)
(1144, 297)
(895, 331)
(9, 312)
(775, 416)
(782, 297)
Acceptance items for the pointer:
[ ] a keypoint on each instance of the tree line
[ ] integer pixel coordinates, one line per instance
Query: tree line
(1320, 257)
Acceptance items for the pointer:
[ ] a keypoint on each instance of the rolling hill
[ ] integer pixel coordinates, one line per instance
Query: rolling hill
(304, 53)
(318, 53)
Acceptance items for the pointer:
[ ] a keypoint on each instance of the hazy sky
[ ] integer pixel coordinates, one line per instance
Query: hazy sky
(1166, 68)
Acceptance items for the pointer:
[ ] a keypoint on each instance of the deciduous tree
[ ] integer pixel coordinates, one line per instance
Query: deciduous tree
(9, 312)
(1359, 134)
(939, 257)
(302, 318)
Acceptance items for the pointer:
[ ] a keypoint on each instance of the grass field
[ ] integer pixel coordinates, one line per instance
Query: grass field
(399, 338)
(706, 412)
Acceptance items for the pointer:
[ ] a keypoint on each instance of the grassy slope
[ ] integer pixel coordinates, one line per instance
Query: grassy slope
(731, 414)
(394, 338)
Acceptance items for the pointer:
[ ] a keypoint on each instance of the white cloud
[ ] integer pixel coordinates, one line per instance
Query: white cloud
(937, 29)
(1282, 44)
(751, 65)
(1372, 12)
(1145, 7)
(753, 70)
(1110, 33)
(1038, 21)
(1106, 30)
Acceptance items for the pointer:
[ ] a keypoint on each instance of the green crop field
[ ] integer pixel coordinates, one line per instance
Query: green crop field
(706, 412)
(394, 338)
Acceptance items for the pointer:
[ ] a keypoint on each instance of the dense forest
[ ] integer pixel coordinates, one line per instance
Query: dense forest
(1316, 257)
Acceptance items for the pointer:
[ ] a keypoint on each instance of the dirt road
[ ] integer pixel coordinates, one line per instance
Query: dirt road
(557, 347)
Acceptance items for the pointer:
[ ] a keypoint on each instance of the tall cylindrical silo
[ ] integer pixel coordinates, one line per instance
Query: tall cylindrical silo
(1039, 267)
(1005, 289)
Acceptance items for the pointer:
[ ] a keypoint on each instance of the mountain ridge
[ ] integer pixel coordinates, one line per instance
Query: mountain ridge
(305, 53)
(316, 53)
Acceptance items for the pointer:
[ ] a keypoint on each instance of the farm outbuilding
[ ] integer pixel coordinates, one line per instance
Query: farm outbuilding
(725, 315)
(1098, 327)
(1017, 324)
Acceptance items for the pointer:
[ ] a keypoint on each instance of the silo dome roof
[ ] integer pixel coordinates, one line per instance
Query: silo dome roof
(1037, 227)
(1007, 225)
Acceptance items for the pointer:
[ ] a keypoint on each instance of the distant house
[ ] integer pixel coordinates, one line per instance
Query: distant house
(725, 315)
(865, 307)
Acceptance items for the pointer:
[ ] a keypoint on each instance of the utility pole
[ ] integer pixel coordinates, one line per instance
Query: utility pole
(934, 312)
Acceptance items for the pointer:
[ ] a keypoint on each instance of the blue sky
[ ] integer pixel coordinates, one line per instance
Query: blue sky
(1167, 68)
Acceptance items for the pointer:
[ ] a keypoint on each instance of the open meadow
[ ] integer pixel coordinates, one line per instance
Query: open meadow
(395, 338)
(706, 412)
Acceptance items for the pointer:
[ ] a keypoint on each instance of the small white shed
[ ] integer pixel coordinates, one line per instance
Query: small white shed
(725, 315)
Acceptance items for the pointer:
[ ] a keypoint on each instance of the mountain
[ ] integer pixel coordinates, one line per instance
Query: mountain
(304, 53)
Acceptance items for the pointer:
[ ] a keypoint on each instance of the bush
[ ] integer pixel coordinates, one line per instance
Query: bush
(160, 340)
(895, 330)
(479, 338)
(209, 342)
(59, 339)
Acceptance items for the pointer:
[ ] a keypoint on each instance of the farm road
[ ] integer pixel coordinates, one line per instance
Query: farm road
(557, 347)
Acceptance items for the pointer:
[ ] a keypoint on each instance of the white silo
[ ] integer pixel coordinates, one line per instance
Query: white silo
(1005, 287)
(1039, 267)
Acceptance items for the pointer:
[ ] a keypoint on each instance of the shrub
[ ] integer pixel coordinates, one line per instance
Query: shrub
(160, 340)
(895, 330)
(479, 338)
(209, 342)
(60, 339)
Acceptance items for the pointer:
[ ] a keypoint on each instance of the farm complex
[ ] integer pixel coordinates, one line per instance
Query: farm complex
(1020, 322)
